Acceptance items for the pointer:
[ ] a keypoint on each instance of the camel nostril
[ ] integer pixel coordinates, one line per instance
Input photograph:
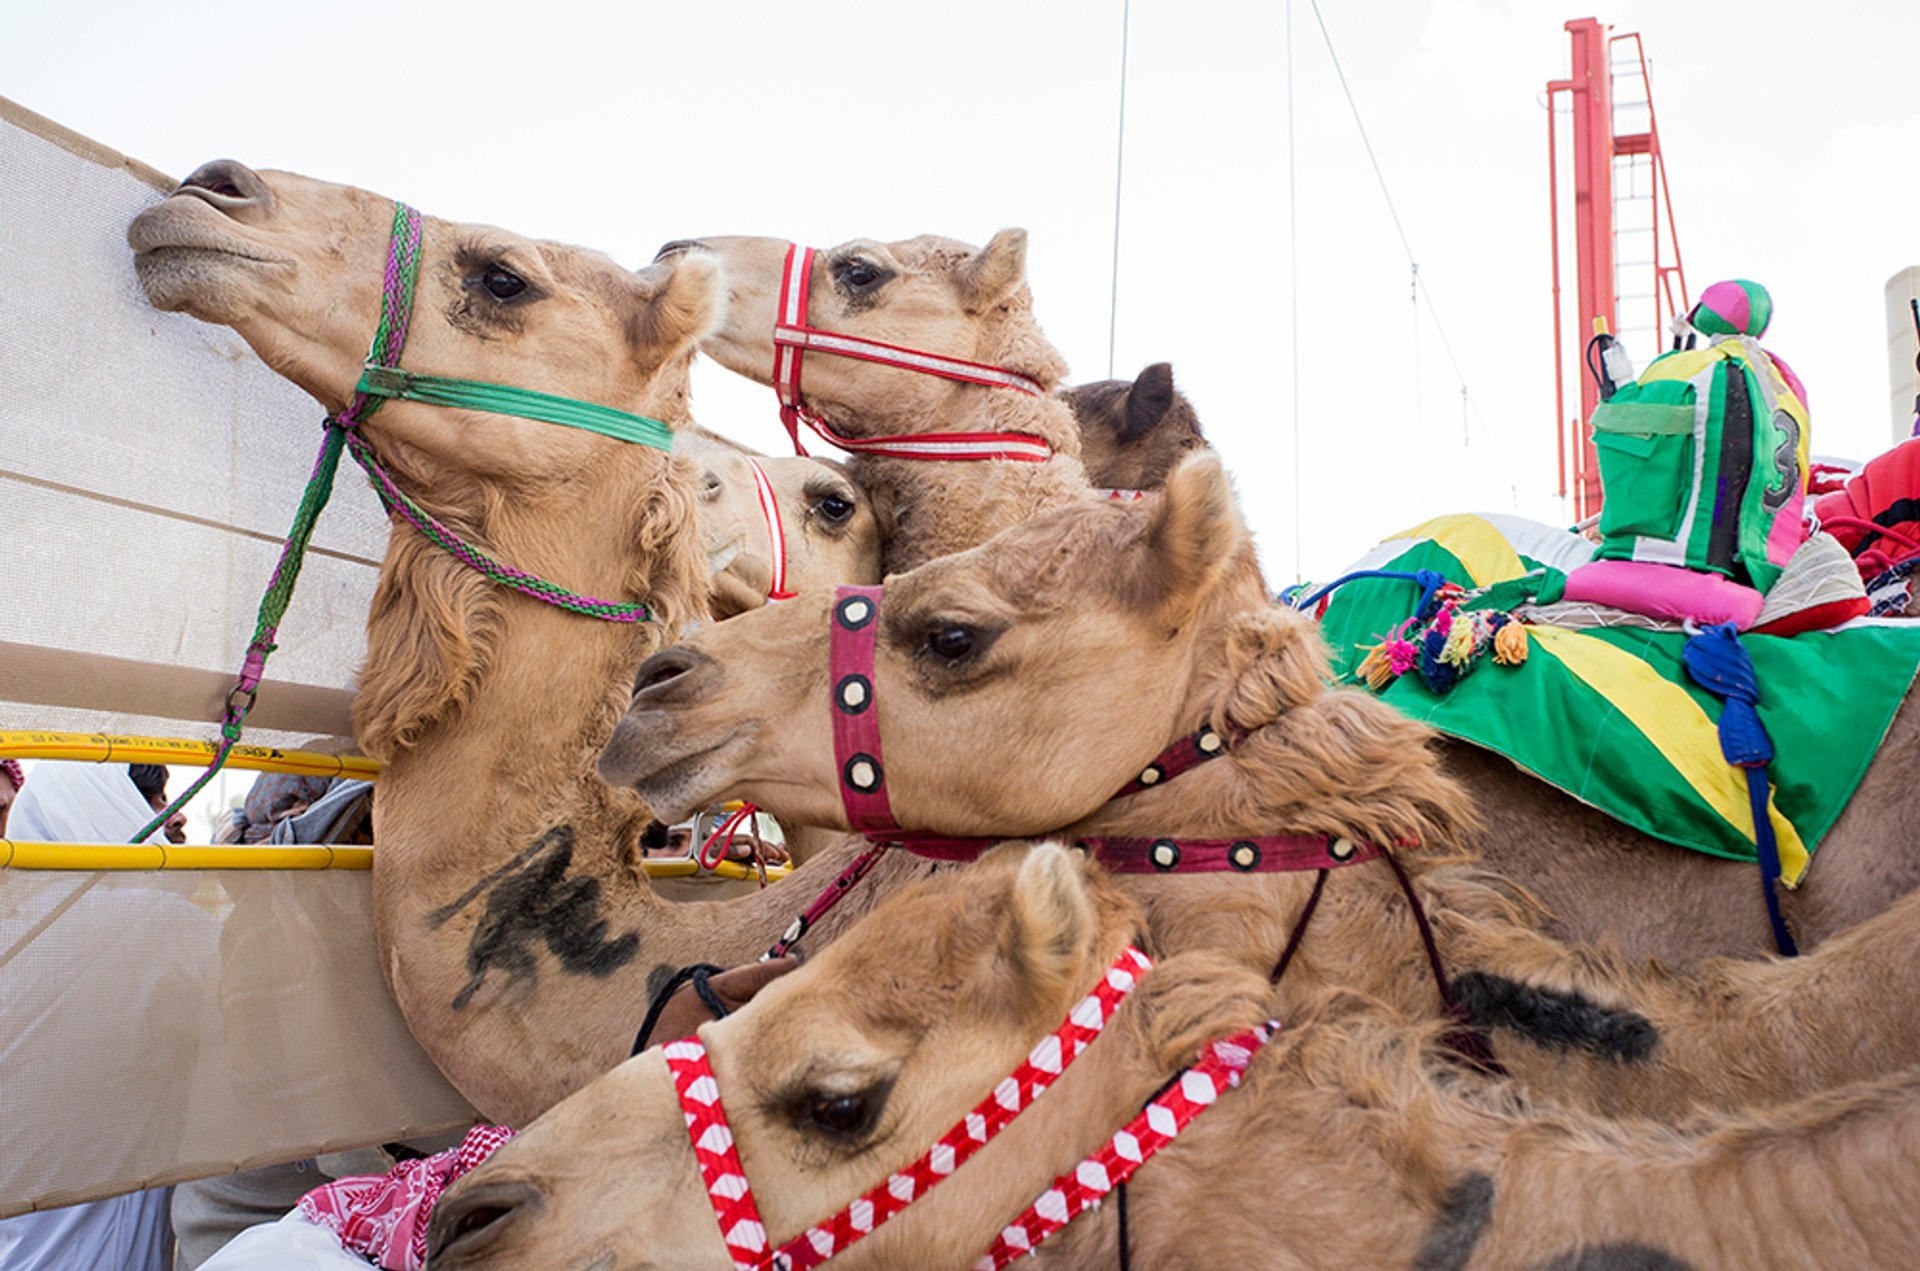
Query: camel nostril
(233, 184)
(466, 1222)
(660, 674)
(679, 246)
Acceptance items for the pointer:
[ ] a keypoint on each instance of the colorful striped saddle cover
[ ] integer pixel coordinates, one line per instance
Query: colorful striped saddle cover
(1607, 713)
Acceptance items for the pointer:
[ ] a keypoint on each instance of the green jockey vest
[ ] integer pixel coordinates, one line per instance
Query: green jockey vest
(1703, 464)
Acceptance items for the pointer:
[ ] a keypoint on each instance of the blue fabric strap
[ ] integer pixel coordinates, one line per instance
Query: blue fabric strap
(1716, 661)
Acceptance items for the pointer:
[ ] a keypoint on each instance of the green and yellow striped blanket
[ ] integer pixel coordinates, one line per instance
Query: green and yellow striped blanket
(1608, 714)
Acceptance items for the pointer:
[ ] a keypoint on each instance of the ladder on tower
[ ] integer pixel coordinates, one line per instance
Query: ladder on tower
(1628, 270)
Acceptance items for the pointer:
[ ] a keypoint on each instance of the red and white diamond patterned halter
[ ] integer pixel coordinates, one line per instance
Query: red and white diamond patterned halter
(746, 1236)
(793, 339)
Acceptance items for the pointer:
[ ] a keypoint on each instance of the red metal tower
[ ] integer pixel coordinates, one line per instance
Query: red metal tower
(1621, 207)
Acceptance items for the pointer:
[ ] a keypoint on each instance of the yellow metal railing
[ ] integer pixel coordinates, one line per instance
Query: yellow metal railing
(102, 748)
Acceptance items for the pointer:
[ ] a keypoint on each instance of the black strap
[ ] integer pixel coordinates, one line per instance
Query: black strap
(1299, 928)
(698, 974)
(1467, 1041)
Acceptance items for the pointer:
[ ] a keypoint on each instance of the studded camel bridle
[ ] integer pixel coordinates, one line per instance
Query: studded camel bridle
(861, 771)
(1198, 1087)
(793, 339)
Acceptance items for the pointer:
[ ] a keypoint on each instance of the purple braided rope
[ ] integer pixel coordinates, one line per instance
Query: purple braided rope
(456, 546)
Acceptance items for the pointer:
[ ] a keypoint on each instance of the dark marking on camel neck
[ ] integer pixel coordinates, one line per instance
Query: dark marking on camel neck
(1558, 1019)
(1464, 1216)
(1618, 1255)
(530, 899)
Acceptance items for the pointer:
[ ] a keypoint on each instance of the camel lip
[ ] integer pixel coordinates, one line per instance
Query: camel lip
(178, 224)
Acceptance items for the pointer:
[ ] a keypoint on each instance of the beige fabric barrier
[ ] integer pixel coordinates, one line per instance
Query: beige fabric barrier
(159, 1027)
(166, 1026)
(149, 466)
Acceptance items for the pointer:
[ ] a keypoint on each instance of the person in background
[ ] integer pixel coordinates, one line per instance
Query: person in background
(150, 779)
(11, 779)
(99, 803)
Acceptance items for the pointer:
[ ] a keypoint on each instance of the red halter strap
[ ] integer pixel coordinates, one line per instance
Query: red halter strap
(731, 1194)
(793, 338)
(1222, 1063)
(856, 723)
(776, 531)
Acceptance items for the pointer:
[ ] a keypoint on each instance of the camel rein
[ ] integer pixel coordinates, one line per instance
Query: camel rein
(1196, 1088)
(793, 339)
(381, 379)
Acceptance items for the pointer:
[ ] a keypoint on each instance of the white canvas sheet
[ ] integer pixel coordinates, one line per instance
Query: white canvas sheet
(149, 465)
(162, 1026)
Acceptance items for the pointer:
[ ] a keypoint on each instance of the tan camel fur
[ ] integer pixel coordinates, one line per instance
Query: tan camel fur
(1021, 683)
(1351, 1143)
(515, 927)
(1133, 432)
(832, 531)
(926, 293)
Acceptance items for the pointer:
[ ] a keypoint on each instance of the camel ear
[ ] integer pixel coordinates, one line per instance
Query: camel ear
(685, 300)
(991, 274)
(1195, 533)
(1053, 921)
(1148, 402)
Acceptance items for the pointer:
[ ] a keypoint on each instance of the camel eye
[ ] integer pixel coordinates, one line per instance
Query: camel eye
(835, 509)
(502, 283)
(859, 276)
(844, 1115)
(951, 642)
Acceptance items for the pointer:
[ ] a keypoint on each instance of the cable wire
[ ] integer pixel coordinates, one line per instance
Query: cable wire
(1119, 158)
(1426, 290)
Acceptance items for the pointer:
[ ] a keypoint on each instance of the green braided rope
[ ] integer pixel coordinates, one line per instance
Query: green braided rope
(478, 560)
(273, 606)
(522, 403)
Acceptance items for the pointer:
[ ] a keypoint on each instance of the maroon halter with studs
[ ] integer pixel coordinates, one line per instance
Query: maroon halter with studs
(853, 629)
(731, 1194)
(793, 338)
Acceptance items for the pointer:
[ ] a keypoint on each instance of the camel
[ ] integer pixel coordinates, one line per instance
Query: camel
(1349, 1142)
(1132, 432)
(1599, 880)
(925, 293)
(830, 530)
(1020, 684)
(516, 930)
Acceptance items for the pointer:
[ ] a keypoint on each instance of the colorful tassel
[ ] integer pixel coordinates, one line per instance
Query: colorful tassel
(1510, 644)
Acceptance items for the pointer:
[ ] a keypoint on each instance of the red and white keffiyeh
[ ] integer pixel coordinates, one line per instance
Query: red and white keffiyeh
(385, 1216)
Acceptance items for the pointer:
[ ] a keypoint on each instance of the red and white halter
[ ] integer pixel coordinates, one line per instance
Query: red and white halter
(1219, 1069)
(776, 531)
(793, 339)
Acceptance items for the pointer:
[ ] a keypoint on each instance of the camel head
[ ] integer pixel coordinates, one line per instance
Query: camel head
(1133, 432)
(1058, 659)
(296, 265)
(829, 526)
(928, 293)
(846, 1069)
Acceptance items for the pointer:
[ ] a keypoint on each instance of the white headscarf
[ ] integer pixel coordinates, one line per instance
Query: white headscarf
(80, 803)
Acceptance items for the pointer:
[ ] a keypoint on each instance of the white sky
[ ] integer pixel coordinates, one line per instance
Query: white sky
(1792, 129)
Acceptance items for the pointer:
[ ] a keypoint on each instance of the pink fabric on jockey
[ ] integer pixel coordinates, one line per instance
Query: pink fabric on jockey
(1664, 591)
(856, 719)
